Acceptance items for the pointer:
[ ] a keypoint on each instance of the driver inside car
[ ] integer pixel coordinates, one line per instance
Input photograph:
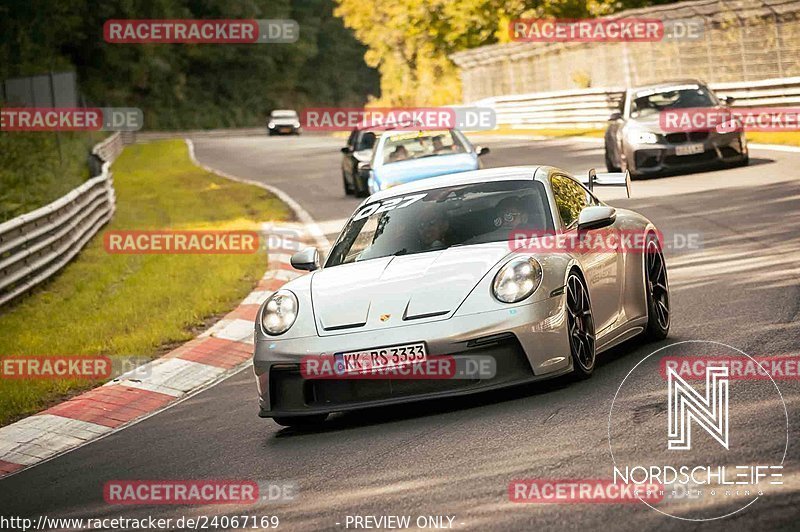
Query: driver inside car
(510, 214)
(432, 229)
(399, 154)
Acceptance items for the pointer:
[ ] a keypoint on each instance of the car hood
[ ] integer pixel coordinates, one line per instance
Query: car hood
(402, 290)
(284, 121)
(411, 170)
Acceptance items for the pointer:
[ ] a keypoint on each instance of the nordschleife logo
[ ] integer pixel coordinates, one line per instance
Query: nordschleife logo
(709, 411)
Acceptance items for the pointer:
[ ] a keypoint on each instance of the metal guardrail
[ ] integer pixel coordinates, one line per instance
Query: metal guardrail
(37, 244)
(109, 149)
(591, 108)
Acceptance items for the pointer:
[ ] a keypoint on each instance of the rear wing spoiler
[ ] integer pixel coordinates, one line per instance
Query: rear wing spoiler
(608, 179)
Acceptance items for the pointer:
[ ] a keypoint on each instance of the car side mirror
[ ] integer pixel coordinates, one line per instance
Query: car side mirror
(729, 100)
(307, 259)
(482, 150)
(346, 150)
(615, 116)
(595, 217)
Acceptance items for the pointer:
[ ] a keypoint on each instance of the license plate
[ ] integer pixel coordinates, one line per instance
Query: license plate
(689, 149)
(380, 358)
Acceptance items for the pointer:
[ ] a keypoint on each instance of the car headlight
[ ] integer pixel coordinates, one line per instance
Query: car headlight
(271, 125)
(644, 137)
(297, 124)
(279, 313)
(518, 279)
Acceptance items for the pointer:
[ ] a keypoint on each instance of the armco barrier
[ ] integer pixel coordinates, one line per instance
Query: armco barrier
(591, 108)
(37, 244)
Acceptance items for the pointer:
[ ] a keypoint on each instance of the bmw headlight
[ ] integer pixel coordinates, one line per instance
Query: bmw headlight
(643, 137)
(271, 125)
(279, 313)
(518, 279)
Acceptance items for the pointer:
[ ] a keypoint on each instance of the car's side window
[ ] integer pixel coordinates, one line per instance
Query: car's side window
(591, 199)
(570, 197)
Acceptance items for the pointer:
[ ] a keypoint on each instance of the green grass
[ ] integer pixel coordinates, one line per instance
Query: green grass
(32, 171)
(137, 305)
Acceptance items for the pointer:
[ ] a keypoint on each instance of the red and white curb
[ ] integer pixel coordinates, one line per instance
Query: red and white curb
(224, 349)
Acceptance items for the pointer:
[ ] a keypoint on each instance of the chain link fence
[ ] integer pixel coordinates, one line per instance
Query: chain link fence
(743, 40)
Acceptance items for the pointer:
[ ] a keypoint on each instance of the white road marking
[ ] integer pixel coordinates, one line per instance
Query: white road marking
(36, 438)
(175, 376)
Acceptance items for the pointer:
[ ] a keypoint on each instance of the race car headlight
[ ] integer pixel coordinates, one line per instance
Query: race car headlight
(644, 137)
(518, 279)
(296, 124)
(279, 313)
(271, 125)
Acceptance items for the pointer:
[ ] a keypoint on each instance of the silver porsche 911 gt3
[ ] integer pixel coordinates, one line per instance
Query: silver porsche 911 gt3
(445, 267)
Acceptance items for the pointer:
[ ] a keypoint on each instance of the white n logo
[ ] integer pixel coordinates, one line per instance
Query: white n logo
(686, 404)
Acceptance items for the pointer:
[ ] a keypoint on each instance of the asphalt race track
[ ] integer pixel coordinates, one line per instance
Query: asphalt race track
(457, 457)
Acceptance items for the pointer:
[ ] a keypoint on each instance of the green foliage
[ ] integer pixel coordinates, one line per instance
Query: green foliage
(34, 172)
(182, 86)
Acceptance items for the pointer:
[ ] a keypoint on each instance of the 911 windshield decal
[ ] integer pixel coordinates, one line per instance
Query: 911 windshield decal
(388, 205)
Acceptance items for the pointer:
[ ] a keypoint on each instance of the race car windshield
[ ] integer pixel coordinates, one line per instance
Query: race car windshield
(418, 144)
(680, 98)
(441, 218)
(284, 114)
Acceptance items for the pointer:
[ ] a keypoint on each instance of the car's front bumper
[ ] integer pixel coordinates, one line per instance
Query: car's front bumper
(718, 148)
(527, 343)
(284, 130)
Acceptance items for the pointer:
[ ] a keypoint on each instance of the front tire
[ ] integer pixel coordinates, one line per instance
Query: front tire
(300, 421)
(745, 160)
(362, 189)
(580, 327)
(657, 291)
(609, 164)
(348, 188)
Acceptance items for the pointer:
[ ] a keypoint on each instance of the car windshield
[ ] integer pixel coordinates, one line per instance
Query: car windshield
(366, 140)
(652, 102)
(440, 218)
(284, 114)
(418, 144)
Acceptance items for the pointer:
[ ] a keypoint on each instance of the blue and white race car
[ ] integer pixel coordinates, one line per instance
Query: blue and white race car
(401, 157)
